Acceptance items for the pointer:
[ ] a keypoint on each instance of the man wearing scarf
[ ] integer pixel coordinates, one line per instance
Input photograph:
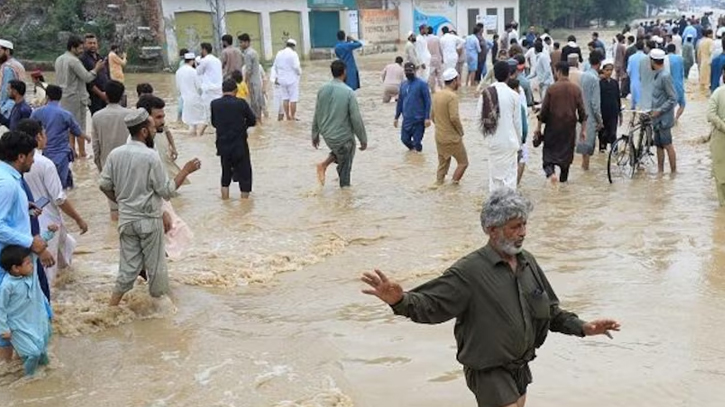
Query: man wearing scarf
(502, 126)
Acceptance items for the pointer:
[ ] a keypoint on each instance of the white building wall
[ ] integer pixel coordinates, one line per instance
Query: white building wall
(500, 5)
(264, 7)
(406, 14)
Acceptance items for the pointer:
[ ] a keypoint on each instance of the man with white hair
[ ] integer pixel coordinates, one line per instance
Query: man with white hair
(502, 301)
(287, 72)
(10, 69)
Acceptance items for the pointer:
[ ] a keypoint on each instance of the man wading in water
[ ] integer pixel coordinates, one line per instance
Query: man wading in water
(503, 304)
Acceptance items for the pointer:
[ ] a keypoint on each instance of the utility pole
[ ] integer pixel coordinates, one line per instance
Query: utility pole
(218, 12)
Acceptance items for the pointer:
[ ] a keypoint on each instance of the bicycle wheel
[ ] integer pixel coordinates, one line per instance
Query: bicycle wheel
(647, 158)
(619, 163)
(635, 154)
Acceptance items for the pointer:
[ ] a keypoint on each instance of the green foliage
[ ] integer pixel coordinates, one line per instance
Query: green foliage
(569, 14)
(36, 26)
(67, 15)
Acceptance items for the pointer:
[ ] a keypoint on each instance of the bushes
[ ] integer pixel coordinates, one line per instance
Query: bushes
(37, 26)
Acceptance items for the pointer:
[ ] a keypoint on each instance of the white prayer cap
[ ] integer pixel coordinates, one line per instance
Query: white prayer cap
(409, 34)
(450, 74)
(657, 54)
(136, 117)
(189, 56)
(607, 62)
(720, 32)
(291, 42)
(658, 39)
(6, 44)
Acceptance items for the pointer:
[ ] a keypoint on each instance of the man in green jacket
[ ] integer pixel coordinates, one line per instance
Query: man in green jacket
(338, 120)
(503, 304)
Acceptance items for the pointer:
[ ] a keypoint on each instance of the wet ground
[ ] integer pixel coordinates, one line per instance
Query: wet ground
(269, 310)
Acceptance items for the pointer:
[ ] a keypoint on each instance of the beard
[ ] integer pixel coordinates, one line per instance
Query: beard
(511, 247)
(149, 142)
(3, 58)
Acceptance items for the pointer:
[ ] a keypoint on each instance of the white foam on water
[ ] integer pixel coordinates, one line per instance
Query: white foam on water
(276, 371)
(204, 377)
(331, 396)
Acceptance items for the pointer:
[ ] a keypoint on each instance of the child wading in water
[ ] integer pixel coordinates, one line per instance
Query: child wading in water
(24, 310)
(242, 88)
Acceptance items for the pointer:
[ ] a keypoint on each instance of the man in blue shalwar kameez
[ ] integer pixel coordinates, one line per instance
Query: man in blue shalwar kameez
(58, 123)
(16, 152)
(677, 72)
(344, 50)
(23, 316)
(718, 63)
(414, 103)
(633, 73)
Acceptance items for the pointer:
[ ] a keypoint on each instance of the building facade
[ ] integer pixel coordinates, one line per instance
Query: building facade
(269, 23)
(314, 23)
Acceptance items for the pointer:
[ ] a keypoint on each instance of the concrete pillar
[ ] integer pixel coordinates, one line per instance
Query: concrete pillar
(267, 36)
(307, 44)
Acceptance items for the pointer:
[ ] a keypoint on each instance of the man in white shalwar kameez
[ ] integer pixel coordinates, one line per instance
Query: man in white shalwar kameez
(504, 131)
(211, 73)
(450, 43)
(189, 85)
(421, 47)
(287, 72)
(44, 182)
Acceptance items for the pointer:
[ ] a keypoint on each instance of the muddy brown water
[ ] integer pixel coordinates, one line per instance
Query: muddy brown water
(269, 310)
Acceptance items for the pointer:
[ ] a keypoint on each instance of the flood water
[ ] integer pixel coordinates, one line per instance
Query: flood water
(269, 309)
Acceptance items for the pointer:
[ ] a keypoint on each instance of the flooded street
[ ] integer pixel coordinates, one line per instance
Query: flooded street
(269, 309)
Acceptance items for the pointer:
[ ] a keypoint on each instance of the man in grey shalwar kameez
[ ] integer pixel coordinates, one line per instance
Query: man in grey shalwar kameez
(252, 76)
(135, 178)
(593, 105)
(72, 77)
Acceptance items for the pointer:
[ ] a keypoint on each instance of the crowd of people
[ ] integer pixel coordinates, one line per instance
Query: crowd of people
(134, 152)
(577, 104)
(645, 67)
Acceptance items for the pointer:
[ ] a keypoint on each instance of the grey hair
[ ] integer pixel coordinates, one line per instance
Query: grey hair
(503, 205)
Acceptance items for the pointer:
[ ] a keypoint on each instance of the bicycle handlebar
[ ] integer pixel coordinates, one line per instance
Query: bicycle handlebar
(642, 112)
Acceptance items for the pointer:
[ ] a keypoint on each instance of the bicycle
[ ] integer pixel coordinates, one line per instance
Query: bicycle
(631, 151)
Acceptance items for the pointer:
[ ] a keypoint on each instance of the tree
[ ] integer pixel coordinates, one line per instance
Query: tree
(68, 14)
(561, 13)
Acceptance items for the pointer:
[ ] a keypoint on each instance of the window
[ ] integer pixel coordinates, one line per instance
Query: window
(508, 15)
(492, 12)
